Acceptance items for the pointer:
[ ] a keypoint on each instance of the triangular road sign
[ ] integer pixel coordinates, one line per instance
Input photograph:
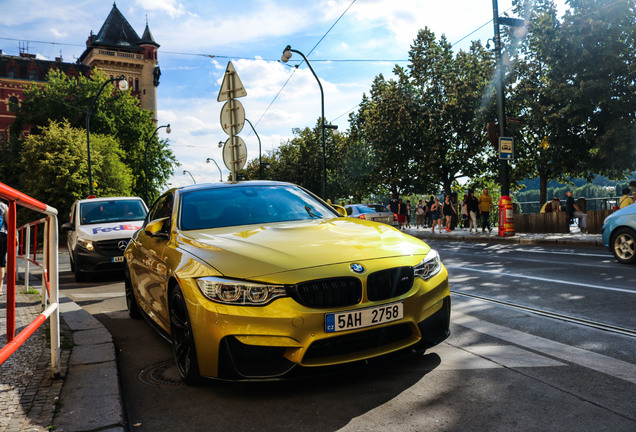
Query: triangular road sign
(231, 85)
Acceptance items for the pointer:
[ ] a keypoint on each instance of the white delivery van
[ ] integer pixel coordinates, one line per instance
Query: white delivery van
(99, 231)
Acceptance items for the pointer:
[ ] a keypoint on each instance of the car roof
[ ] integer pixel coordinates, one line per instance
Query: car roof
(203, 186)
(107, 199)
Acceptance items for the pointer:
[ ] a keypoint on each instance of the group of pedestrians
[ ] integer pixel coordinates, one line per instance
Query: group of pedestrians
(433, 213)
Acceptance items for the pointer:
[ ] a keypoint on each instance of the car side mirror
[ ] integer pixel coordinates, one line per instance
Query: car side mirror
(340, 209)
(157, 228)
(68, 226)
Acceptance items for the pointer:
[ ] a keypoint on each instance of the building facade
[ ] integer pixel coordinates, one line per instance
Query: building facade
(116, 49)
(18, 72)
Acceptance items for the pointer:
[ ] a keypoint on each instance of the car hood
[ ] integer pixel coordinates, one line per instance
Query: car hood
(256, 250)
(108, 230)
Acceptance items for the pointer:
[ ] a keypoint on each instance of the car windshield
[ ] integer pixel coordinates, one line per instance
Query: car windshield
(243, 205)
(111, 211)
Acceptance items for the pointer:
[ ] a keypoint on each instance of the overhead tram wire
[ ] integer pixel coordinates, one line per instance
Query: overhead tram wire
(455, 43)
(296, 67)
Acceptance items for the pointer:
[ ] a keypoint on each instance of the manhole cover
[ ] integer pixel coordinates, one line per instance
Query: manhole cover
(164, 373)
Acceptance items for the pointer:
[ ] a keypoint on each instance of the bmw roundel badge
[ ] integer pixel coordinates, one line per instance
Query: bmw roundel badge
(357, 268)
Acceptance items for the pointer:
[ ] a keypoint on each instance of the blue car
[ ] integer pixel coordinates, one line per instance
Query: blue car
(619, 234)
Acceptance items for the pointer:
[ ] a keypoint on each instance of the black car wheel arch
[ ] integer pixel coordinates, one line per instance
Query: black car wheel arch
(183, 347)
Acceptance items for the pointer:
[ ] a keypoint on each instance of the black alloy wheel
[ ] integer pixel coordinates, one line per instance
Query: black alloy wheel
(185, 353)
(131, 301)
(624, 245)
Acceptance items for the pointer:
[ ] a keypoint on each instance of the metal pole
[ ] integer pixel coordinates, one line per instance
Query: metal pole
(146, 160)
(53, 272)
(217, 165)
(501, 109)
(322, 121)
(260, 161)
(88, 131)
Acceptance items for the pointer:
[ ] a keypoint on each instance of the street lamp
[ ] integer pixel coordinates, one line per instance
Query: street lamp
(188, 172)
(123, 86)
(217, 165)
(518, 25)
(287, 53)
(260, 160)
(168, 130)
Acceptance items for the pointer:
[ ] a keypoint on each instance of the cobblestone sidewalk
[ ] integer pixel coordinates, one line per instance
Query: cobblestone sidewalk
(28, 393)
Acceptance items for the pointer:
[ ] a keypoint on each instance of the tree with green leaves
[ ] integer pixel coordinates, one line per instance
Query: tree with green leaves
(453, 98)
(115, 113)
(533, 99)
(384, 132)
(574, 85)
(58, 166)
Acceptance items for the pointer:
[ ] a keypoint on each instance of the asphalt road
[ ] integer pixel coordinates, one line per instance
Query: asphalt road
(501, 369)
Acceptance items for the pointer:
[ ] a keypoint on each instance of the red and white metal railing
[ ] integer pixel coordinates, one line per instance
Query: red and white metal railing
(50, 278)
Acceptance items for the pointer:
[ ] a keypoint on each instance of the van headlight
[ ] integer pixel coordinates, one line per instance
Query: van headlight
(236, 292)
(430, 265)
(86, 244)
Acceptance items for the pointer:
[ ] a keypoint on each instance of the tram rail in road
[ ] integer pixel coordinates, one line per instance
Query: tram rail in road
(580, 321)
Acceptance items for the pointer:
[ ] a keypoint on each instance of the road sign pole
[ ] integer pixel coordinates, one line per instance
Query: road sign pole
(234, 114)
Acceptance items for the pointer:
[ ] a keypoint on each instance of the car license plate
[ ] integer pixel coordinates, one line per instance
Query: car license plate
(360, 318)
(117, 259)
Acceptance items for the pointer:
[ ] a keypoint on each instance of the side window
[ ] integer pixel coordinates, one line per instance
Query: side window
(72, 215)
(162, 208)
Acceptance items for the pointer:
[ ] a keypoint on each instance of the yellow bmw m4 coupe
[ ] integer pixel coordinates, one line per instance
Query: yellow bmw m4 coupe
(264, 280)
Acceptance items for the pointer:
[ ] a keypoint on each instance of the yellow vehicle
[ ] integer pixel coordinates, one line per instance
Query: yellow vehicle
(259, 280)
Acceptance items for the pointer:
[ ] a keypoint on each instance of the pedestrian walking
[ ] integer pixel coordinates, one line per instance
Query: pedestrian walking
(448, 210)
(464, 213)
(420, 214)
(436, 215)
(408, 213)
(428, 218)
(472, 207)
(485, 205)
(393, 204)
(401, 214)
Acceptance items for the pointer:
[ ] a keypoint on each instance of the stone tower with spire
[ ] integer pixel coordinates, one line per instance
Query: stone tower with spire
(118, 50)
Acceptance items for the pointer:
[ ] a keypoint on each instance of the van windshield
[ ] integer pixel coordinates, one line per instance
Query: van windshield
(111, 211)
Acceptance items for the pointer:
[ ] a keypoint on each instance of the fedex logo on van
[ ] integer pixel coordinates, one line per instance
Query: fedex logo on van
(126, 227)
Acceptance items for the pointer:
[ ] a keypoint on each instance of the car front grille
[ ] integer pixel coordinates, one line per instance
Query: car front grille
(110, 247)
(357, 342)
(327, 293)
(389, 283)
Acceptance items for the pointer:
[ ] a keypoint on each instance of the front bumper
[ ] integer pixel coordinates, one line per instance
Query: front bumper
(284, 338)
(102, 259)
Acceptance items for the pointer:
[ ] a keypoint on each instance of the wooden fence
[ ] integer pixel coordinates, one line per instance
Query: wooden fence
(557, 222)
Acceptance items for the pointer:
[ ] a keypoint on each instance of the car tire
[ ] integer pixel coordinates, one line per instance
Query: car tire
(183, 348)
(80, 276)
(131, 302)
(623, 245)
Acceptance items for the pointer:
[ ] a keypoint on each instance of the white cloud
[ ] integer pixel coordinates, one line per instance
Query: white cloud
(171, 7)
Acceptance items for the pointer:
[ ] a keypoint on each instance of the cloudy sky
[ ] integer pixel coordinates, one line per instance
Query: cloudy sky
(198, 38)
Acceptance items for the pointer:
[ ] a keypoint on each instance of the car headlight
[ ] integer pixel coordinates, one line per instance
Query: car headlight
(86, 244)
(430, 265)
(237, 292)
